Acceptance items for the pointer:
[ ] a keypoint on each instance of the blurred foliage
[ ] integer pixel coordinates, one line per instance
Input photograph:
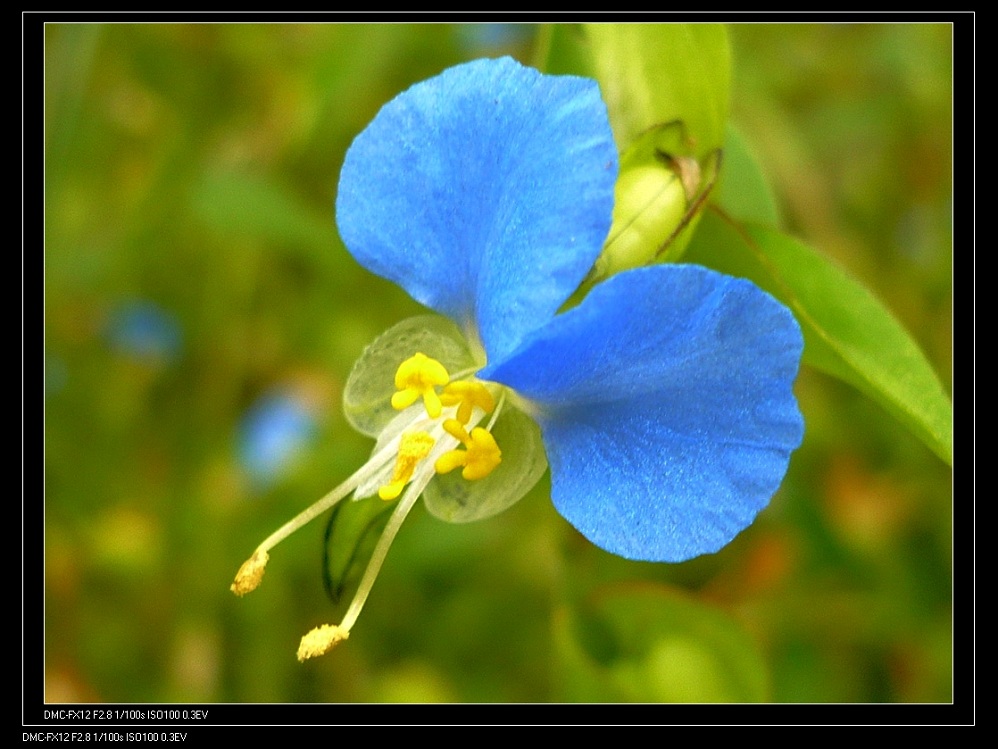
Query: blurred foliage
(194, 274)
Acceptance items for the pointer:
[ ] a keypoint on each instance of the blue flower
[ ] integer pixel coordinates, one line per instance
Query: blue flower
(663, 401)
(665, 398)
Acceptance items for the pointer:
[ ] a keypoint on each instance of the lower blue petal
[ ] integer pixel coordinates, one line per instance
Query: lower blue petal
(667, 408)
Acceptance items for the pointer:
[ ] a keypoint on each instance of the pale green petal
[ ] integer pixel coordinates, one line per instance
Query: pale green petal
(369, 389)
(456, 500)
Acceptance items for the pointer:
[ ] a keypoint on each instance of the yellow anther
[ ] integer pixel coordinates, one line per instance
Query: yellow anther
(413, 447)
(480, 457)
(456, 429)
(418, 376)
(466, 395)
(250, 573)
(321, 640)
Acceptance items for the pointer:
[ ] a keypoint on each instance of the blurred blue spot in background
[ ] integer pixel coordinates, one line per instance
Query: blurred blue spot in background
(144, 331)
(273, 433)
(485, 37)
(56, 374)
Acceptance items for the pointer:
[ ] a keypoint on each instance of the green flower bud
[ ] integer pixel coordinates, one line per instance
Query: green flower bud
(649, 206)
(658, 196)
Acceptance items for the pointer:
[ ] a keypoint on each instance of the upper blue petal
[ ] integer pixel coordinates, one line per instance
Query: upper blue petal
(666, 404)
(485, 192)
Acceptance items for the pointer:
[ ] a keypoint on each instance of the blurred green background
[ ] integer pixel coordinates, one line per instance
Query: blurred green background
(202, 316)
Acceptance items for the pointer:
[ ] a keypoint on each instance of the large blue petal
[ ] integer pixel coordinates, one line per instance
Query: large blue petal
(666, 404)
(485, 192)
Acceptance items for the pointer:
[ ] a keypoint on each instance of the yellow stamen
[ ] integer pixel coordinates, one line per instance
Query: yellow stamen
(481, 456)
(456, 429)
(321, 640)
(466, 395)
(418, 376)
(413, 447)
(250, 573)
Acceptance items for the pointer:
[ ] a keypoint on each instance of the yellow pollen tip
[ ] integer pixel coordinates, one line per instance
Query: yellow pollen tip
(404, 398)
(418, 376)
(321, 640)
(481, 457)
(391, 490)
(413, 447)
(431, 401)
(450, 460)
(456, 429)
(250, 573)
(466, 395)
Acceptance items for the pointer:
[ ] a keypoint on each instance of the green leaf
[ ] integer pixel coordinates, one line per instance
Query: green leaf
(562, 49)
(847, 332)
(744, 192)
(651, 74)
(656, 645)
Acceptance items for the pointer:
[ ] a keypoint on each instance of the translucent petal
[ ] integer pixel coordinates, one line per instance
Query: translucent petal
(667, 408)
(371, 384)
(454, 499)
(485, 192)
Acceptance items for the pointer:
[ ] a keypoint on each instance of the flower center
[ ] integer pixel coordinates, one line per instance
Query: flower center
(419, 376)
